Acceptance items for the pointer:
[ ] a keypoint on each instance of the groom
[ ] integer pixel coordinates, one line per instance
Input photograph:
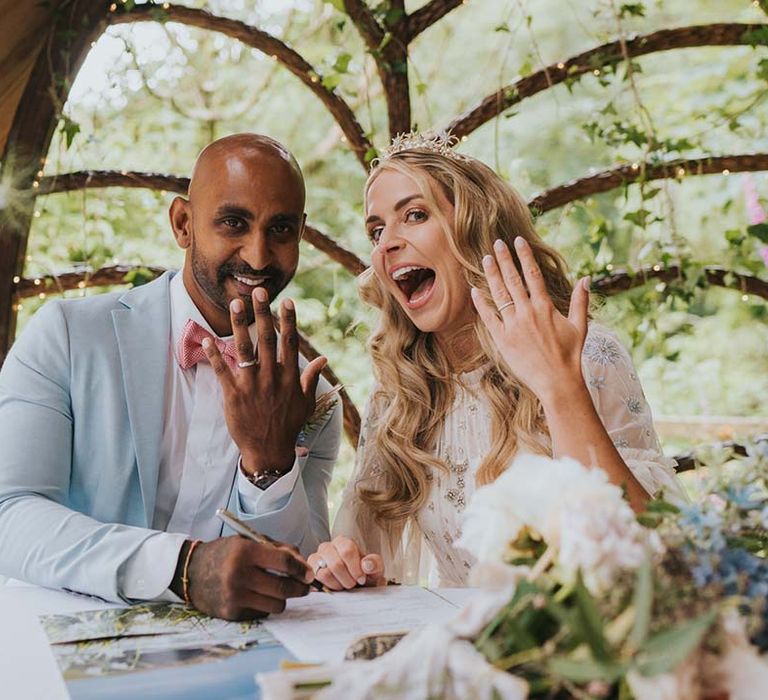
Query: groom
(128, 419)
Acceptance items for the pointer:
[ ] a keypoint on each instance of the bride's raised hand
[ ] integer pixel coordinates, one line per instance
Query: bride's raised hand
(339, 565)
(540, 345)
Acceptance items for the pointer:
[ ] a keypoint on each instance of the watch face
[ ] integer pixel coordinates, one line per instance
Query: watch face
(265, 481)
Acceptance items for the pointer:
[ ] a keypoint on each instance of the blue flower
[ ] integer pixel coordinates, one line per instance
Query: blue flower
(744, 497)
(706, 524)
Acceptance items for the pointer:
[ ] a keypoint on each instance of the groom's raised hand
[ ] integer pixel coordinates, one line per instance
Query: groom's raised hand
(267, 399)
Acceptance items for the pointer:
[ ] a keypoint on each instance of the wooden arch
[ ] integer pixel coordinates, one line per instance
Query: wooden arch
(69, 28)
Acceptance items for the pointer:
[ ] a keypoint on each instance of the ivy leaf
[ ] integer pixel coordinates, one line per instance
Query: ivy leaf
(639, 217)
(756, 37)
(338, 4)
(370, 154)
(632, 9)
(759, 231)
(331, 82)
(666, 650)
(139, 276)
(70, 129)
(342, 62)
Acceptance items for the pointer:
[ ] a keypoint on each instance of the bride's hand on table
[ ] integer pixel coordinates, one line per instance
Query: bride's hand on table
(340, 565)
(540, 345)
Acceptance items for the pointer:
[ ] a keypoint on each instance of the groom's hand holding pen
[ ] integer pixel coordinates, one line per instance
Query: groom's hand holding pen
(240, 577)
(245, 530)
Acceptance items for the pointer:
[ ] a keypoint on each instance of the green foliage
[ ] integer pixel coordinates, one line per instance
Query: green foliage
(632, 9)
(69, 129)
(665, 650)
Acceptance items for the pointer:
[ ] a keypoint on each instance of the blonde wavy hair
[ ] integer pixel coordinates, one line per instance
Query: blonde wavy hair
(415, 383)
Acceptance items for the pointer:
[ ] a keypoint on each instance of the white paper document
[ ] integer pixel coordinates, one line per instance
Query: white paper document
(320, 627)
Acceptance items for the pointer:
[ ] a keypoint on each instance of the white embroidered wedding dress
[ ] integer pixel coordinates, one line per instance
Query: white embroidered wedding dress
(465, 439)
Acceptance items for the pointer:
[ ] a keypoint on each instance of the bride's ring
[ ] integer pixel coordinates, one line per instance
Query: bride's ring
(246, 363)
(321, 564)
(504, 306)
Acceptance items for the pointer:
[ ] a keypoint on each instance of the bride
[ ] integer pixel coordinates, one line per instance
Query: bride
(483, 349)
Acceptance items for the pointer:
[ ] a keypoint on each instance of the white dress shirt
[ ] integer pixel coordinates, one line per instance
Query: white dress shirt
(198, 466)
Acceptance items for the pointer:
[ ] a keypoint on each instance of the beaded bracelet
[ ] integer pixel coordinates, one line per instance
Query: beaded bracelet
(185, 573)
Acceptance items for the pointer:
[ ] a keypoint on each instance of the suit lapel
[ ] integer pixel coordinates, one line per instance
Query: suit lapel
(143, 328)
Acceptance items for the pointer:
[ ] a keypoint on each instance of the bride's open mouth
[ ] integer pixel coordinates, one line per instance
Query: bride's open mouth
(416, 283)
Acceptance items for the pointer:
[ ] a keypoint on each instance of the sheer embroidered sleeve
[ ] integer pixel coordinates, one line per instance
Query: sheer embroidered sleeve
(619, 399)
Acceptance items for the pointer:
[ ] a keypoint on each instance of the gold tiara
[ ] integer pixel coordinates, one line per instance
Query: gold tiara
(440, 142)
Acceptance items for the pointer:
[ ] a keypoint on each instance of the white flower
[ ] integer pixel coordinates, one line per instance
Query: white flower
(575, 509)
(601, 537)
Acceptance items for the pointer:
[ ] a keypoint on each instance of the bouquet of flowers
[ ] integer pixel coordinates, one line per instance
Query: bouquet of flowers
(671, 604)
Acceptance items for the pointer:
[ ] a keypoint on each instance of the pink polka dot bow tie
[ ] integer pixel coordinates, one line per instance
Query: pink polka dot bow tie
(189, 350)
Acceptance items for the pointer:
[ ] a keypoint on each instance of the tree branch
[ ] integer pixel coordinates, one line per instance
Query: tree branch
(643, 172)
(266, 43)
(97, 179)
(389, 49)
(155, 181)
(426, 16)
(67, 281)
(595, 59)
(365, 22)
(346, 258)
(623, 280)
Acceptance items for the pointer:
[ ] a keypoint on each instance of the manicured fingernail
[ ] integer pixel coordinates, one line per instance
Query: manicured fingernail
(498, 244)
(261, 294)
(587, 282)
(487, 261)
(236, 305)
(206, 343)
(368, 567)
(519, 241)
(361, 581)
(289, 304)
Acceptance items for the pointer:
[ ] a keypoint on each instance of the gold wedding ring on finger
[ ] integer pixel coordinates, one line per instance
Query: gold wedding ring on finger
(505, 305)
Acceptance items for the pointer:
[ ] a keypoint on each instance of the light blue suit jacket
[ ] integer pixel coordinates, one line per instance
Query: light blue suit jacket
(81, 421)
